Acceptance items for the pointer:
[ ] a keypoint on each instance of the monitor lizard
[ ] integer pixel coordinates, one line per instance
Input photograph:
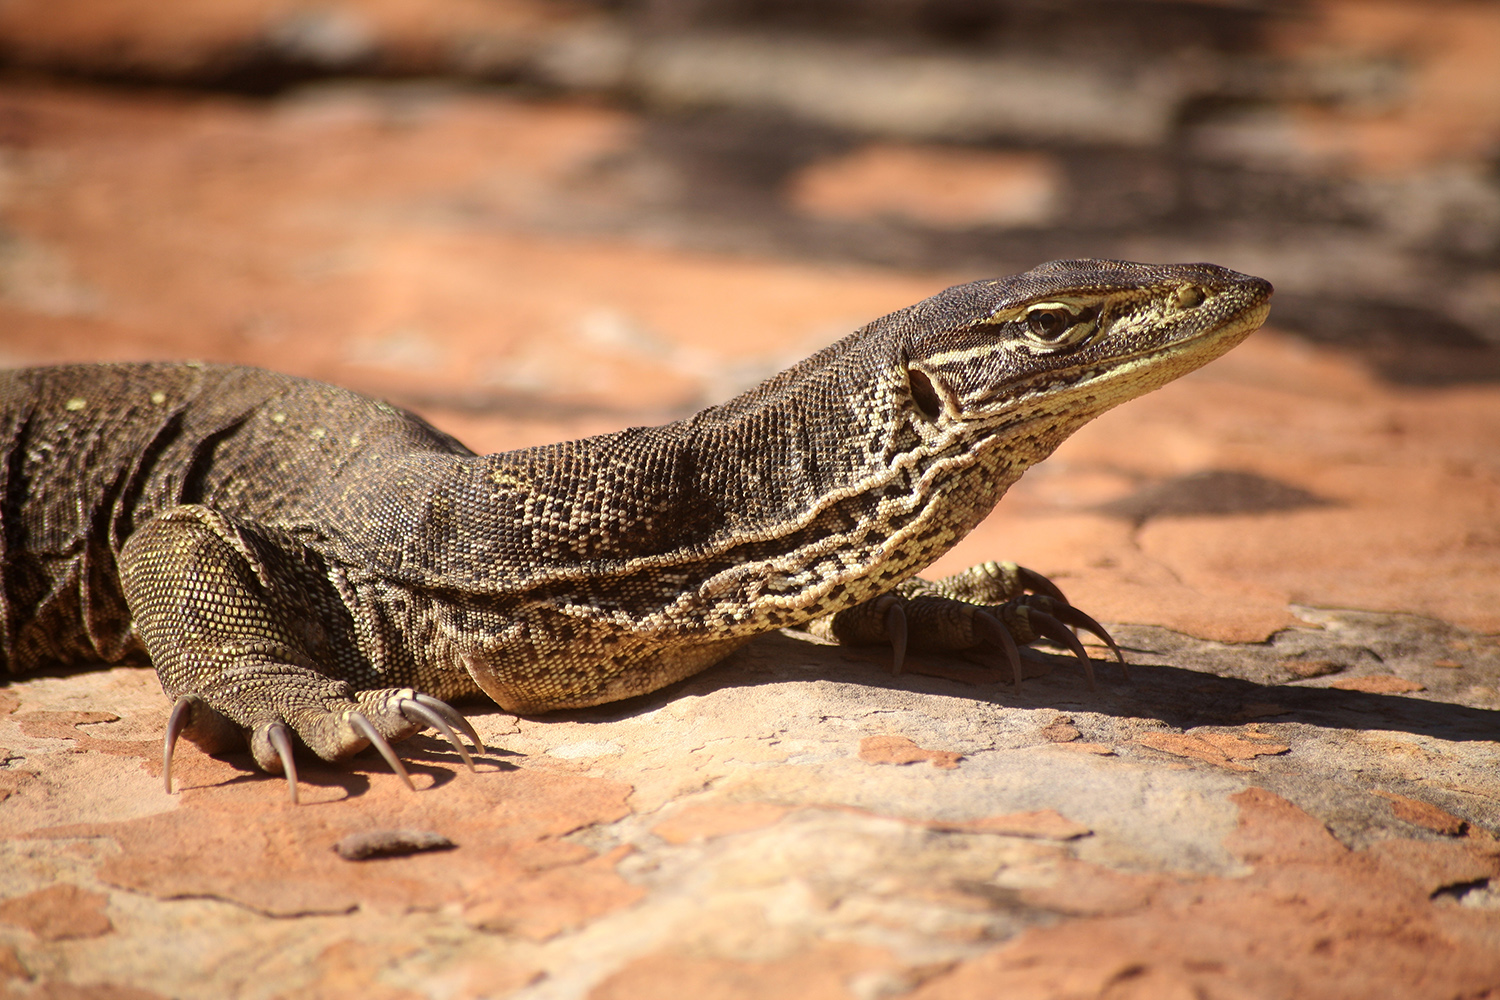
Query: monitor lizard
(304, 564)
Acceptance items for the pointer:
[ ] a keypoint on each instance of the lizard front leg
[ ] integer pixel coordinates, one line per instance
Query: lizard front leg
(991, 604)
(247, 653)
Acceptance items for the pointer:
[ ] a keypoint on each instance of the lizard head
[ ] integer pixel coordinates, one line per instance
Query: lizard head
(1071, 338)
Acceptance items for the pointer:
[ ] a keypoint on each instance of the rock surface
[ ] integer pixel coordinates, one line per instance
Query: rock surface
(752, 833)
(1297, 794)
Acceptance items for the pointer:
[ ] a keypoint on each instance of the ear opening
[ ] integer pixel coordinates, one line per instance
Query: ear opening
(924, 394)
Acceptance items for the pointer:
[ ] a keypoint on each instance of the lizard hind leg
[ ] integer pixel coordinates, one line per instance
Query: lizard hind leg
(234, 631)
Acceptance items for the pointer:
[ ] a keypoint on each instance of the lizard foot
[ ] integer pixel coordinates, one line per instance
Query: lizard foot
(396, 713)
(1038, 616)
(333, 732)
(279, 737)
(192, 716)
(212, 732)
(444, 718)
(994, 604)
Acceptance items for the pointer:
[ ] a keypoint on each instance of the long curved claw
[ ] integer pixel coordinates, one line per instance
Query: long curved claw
(895, 630)
(1070, 615)
(281, 740)
(454, 716)
(1054, 629)
(1039, 584)
(995, 631)
(365, 728)
(176, 722)
(411, 707)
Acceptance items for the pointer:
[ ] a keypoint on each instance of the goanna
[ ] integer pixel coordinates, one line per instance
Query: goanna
(301, 563)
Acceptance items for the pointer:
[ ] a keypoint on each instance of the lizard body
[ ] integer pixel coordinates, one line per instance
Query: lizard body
(297, 559)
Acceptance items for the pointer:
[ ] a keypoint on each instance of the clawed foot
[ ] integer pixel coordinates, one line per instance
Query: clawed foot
(995, 604)
(374, 718)
(1045, 617)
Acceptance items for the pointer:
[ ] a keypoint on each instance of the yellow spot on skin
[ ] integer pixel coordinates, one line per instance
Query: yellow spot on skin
(317, 433)
(508, 480)
(158, 397)
(278, 418)
(76, 403)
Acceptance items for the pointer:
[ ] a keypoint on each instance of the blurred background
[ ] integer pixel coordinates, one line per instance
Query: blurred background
(536, 218)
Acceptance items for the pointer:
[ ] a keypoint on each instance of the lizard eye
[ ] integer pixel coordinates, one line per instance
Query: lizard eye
(1188, 297)
(1048, 324)
(1055, 325)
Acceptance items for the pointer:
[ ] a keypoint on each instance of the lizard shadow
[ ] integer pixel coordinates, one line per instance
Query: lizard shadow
(422, 755)
(1176, 696)
(437, 757)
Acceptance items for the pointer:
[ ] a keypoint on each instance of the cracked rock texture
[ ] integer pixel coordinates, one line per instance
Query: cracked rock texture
(1297, 794)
